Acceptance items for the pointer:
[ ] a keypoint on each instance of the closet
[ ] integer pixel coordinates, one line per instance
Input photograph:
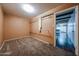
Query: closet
(65, 30)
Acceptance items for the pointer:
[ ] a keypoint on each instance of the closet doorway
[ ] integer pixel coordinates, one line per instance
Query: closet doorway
(66, 30)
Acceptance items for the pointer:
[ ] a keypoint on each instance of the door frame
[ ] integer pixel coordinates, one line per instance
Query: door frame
(76, 30)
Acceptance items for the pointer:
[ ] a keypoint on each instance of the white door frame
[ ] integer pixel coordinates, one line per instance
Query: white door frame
(76, 30)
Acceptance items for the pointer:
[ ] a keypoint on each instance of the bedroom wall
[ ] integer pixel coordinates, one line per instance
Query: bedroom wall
(48, 24)
(1, 25)
(15, 27)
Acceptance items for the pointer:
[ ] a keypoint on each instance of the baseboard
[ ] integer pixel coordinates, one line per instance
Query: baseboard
(2, 45)
(17, 38)
(40, 40)
(23, 37)
(27, 36)
(11, 40)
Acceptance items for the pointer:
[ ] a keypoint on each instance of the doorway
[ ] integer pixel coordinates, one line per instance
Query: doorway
(65, 30)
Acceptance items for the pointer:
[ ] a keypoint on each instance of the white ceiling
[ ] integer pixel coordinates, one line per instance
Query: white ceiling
(15, 8)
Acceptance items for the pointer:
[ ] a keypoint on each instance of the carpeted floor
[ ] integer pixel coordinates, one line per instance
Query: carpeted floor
(31, 47)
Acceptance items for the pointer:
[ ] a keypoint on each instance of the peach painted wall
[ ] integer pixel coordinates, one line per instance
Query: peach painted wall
(48, 26)
(1, 25)
(47, 29)
(15, 27)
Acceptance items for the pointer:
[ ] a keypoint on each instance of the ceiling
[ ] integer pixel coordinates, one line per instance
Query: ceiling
(15, 8)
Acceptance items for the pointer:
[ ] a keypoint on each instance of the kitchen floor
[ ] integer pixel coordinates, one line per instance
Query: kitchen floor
(31, 47)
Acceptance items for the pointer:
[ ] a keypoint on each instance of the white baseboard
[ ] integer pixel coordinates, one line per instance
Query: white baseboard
(17, 38)
(11, 40)
(2, 45)
(23, 37)
(40, 40)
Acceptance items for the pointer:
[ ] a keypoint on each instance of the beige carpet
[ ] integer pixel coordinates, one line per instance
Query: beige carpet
(31, 47)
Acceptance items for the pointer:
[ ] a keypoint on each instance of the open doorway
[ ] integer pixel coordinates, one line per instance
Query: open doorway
(66, 28)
